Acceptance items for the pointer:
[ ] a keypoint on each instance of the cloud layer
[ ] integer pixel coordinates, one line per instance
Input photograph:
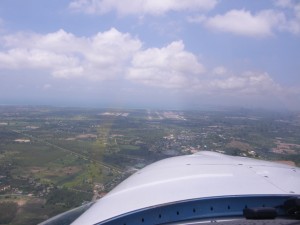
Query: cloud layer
(116, 56)
(242, 22)
(100, 57)
(140, 7)
(170, 67)
(284, 16)
(264, 23)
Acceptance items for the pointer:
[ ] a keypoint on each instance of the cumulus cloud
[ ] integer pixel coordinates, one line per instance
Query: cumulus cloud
(119, 56)
(173, 67)
(291, 22)
(99, 57)
(169, 67)
(264, 23)
(243, 22)
(140, 7)
(246, 83)
(34, 59)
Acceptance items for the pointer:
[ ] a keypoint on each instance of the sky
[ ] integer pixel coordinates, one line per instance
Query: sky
(168, 54)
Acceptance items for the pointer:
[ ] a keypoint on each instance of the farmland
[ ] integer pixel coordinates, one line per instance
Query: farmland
(54, 159)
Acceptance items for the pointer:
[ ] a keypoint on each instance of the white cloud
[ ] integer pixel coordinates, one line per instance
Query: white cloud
(33, 58)
(243, 22)
(98, 57)
(247, 83)
(264, 23)
(169, 67)
(173, 67)
(119, 56)
(140, 7)
(292, 20)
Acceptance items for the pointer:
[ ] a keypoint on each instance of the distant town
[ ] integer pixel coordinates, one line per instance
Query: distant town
(54, 159)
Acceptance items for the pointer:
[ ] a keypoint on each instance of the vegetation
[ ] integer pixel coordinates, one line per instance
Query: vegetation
(54, 159)
(66, 198)
(8, 211)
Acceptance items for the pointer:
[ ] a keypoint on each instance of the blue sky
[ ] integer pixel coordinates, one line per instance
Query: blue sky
(150, 53)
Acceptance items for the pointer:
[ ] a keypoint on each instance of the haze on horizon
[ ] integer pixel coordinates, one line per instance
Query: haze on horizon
(150, 53)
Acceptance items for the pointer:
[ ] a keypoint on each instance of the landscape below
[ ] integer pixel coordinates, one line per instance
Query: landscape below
(54, 159)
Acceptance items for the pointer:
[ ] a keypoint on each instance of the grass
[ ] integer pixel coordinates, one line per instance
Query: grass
(90, 174)
(33, 154)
